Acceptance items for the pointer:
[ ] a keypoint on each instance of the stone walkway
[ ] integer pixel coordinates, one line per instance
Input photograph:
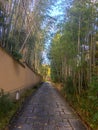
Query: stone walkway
(47, 110)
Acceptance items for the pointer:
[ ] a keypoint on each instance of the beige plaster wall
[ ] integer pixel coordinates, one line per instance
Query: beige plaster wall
(13, 75)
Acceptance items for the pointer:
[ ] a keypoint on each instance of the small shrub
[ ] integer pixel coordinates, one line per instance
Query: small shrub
(95, 118)
(69, 87)
(5, 104)
(16, 55)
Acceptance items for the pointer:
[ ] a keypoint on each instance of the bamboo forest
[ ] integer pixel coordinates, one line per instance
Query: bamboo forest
(58, 40)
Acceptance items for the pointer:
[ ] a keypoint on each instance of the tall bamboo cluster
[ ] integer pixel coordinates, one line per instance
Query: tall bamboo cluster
(21, 31)
(74, 47)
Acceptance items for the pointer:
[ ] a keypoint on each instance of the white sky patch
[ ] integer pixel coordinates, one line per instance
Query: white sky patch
(57, 9)
(45, 59)
(56, 12)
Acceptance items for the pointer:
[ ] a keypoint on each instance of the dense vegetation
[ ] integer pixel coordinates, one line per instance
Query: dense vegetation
(22, 29)
(22, 35)
(25, 27)
(74, 58)
(10, 108)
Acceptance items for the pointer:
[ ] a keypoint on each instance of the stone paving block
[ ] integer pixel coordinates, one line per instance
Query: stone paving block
(59, 119)
(37, 128)
(48, 127)
(21, 120)
(23, 127)
(77, 124)
(67, 128)
(63, 124)
(63, 128)
(51, 122)
(68, 116)
(47, 110)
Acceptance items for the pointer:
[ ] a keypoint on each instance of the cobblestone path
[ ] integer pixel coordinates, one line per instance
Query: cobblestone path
(47, 110)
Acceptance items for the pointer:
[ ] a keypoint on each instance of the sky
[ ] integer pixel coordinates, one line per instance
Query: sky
(56, 12)
(57, 9)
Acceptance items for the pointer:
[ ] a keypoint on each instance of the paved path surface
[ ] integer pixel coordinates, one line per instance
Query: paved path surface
(47, 110)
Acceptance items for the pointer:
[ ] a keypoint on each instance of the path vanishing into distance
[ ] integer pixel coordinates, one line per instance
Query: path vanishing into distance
(47, 110)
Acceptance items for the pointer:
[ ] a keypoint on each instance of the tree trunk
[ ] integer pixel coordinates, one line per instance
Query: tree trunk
(79, 75)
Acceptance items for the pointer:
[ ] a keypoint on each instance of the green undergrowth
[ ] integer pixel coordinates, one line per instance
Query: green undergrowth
(8, 106)
(86, 103)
